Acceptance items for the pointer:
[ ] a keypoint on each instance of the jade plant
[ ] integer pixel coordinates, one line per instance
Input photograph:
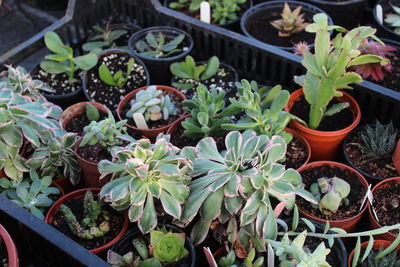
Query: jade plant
(95, 223)
(393, 19)
(63, 60)
(104, 38)
(230, 260)
(331, 193)
(142, 172)
(155, 46)
(291, 22)
(327, 69)
(31, 194)
(390, 260)
(153, 104)
(119, 78)
(269, 121)
(193, 74)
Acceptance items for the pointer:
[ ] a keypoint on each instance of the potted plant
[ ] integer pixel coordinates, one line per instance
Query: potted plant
(331, 114)
(116, 74)
(278, 23)
(166, 245)
(89, 222)
(224, 13)
(7, 245)
(369, 150)
(187, 75)
(60, 71)
(378, 246)
(339, 190)
(386, 15)
(152, 109)
(159, 47)
(155, 174)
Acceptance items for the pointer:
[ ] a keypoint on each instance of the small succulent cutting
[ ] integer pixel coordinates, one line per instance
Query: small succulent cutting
(105, 38)
(393, 19)
(96, 221)
(92, 114)
(153, 104)
(155, 45)
(63, 60)
(291, 22)
(331, 193)
(119, 78)
(230, 260)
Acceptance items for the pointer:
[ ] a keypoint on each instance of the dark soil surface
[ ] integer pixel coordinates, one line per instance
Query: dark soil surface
(259, 27)
(224, 80)
(391, 80)
(296, 154)
(94, 153)
(386, 205)
(355, 196)
(160, 123)
(336, 122)
(76, 124)
(76, 205)
(383, 168)
(3, 254)
(59, 82)
(111, 95)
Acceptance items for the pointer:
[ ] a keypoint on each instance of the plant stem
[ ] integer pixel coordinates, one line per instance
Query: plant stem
(71, 72)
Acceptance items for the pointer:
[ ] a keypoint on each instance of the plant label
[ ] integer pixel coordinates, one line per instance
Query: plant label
(205, 12)
(140, 121)
(379, 14)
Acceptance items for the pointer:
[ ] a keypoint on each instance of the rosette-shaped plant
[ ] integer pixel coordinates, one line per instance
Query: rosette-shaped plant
(168, 247)
(141, 172)
(291, 22)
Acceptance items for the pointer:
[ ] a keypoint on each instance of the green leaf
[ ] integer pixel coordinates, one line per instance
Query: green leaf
(336, 108)
(54, 67)
(106, 76)
(211, 68)
(170, 205)
(390, 248)
(58, 58)
(93, 45)
(365, 59)
(322, 45)
(151, 40)
(369, 247)
(309, 224)
(171, 45)
(116, 34)
(199, 231)
(357, 250)
(54, 44)
(149, 217)
(180, 70)
(86, 62)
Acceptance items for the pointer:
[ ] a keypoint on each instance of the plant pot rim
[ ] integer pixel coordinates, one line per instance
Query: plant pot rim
(384, 27)
(334, 3)
(79, 194)
(356, 115)
(84, 75)
(377, 242)
(12, 253)
(76, 147)
(361, 181)
(125, 100)
(269, 4)
(163, 29)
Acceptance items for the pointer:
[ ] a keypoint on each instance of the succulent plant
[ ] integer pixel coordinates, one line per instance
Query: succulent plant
(155, 46)
(31, 194)
(269, 121)
(390, 260)
(331, 194)
(301, 48)
(142, 171)
(230, 260)
(96, 221)
(193, 74)
(393, 19)
(92, 114)
(152, 104)
(291, 22)
(327, 68)
(378, 141)
(105, 38)
(63, 60)
(119, 78)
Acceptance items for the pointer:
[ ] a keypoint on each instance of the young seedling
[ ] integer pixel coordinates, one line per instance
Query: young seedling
(105, 38)
(291, 22)
(155, 46)
(92, 113)
(120, 78)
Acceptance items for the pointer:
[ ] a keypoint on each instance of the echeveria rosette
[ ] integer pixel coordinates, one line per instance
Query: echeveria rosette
(143, 171)
(169, 247)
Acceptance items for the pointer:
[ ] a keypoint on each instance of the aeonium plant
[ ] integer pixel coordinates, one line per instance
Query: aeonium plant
(142, 172)
(327, 69)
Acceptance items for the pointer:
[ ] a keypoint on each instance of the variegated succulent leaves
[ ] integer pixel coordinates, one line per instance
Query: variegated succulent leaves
(142, 172)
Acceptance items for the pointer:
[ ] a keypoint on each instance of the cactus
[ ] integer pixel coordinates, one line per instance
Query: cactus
(152, 104)
(291, 22)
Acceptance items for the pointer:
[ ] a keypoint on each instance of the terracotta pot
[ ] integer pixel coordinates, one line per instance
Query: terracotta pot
(348, 224)
(12, 254)
(324, 144)
(77, 195)
(377, 245)
(91, 174)
(78, 109)
(374, 223)
(304, 141)
(150, 133)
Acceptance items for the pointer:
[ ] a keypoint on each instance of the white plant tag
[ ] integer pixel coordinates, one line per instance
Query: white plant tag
(140, 121)
(379, 14)
(369, 196)
(205, 12)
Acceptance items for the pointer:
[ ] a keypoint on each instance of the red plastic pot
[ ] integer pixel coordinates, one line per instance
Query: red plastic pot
(77, 195)
(374, 223)
(348, 224)
(150, 133)
(64, 184)
(324, 144)
(377, 245)
(12, 254)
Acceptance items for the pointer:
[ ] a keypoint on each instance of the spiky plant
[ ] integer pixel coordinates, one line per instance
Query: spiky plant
(390, 260)
(301, 48)
(291, 22)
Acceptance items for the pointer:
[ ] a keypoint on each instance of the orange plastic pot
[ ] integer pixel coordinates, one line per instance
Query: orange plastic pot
(325, 145)
(12, 254)
(77, 109)
(374, 223)
(377, 245)
(348, 224)
(81, 194)
(150, 133)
